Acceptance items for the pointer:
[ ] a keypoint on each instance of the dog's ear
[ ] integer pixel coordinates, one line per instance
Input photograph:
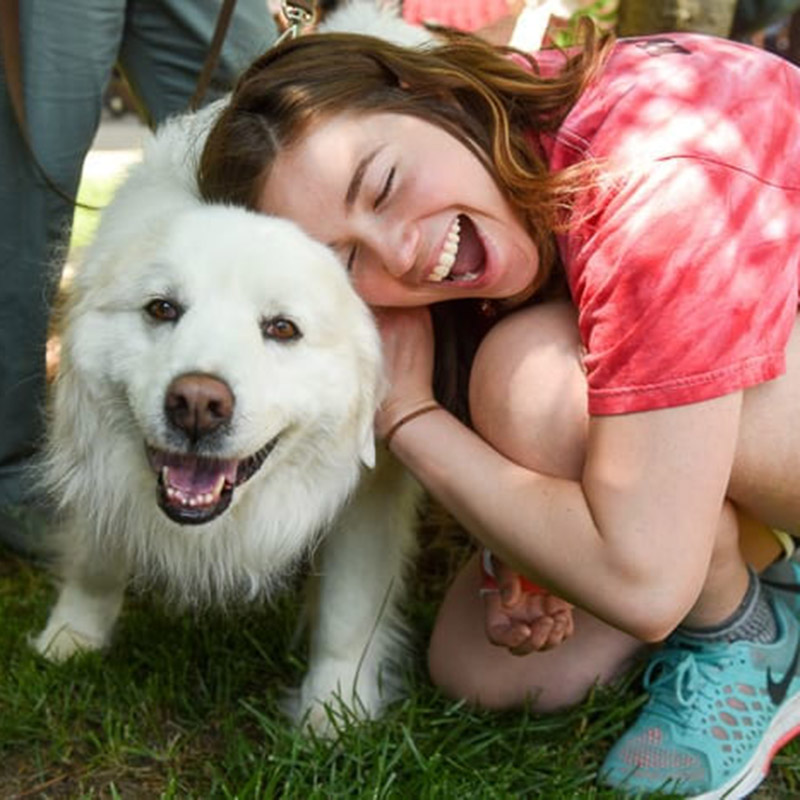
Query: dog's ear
(367, 450)
(369, 405)
(372, 382)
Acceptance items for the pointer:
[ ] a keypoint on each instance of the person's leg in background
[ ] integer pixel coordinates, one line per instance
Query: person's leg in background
(166, 43)
(68, 50)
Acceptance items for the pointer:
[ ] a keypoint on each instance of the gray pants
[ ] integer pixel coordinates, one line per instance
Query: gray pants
(69, 49)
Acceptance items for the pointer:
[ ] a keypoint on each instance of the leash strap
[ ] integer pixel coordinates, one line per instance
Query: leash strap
(214, 50)
(12, 65)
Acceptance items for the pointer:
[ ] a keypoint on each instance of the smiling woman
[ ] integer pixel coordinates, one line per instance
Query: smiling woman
(270, 115)
(604, 446)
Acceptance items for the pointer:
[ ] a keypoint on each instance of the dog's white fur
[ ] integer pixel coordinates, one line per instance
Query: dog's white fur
(228, 271)
(379, 18)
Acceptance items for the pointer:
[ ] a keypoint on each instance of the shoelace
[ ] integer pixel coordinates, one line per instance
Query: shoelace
(680, 682)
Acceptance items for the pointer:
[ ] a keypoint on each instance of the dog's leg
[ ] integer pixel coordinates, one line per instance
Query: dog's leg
(357, 634)
(88, 605)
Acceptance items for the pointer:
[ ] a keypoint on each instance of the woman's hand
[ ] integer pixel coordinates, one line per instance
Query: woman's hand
(408, 346)
(524, 621)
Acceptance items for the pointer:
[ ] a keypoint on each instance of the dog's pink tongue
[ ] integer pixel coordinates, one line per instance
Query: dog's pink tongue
(471, 253)
(193, 475)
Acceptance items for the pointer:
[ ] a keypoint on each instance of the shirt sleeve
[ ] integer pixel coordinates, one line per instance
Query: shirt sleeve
(685, 282)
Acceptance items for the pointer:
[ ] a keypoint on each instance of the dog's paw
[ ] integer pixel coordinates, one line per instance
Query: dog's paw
(326, 702)
(323, 720)
(60, 642)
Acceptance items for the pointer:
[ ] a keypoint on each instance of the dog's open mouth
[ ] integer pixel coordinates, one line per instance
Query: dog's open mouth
(195, 489)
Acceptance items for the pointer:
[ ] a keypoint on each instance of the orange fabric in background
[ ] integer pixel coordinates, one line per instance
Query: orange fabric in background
(759, 544)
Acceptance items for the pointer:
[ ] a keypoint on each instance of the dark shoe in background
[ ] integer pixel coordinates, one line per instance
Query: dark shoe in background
(25, 530)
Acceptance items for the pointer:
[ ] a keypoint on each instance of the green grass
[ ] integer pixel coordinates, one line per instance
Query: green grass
(187, 707)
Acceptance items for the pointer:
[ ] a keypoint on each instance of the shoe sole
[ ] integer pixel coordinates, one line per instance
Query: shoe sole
(783, 729)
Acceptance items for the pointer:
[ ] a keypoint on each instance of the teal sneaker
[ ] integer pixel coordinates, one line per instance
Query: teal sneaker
(716, 716)
(783, 578)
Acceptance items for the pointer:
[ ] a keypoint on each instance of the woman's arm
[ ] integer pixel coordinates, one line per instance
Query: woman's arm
(631, 542)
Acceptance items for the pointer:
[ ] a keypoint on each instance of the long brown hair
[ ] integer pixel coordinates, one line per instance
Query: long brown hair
(486, 100)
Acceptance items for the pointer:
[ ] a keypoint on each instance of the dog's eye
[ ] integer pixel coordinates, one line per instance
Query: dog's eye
(280, 328)
(163, 310)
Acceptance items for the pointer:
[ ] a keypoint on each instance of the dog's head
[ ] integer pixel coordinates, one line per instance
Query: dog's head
(221, 345)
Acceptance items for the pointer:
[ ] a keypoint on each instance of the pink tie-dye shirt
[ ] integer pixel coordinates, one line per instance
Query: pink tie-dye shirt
(683, 260)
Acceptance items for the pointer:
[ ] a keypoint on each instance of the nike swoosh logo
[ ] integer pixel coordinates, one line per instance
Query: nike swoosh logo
(777, 689)
(783, 587)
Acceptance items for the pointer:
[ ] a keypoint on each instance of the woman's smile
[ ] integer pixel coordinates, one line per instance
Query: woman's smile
(463, 257)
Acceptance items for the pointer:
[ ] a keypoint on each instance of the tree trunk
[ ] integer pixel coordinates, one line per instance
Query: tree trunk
(794, 38)
(637, 17)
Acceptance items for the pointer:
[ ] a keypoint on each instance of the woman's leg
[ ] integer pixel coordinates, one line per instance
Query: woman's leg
(528, 399)
(465, 665)
(765, 480)
(747, 712)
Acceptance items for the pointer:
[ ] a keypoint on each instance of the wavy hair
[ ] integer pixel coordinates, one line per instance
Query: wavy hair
(486, 99)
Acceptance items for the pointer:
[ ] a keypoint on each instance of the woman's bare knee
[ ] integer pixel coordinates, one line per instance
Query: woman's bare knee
(465, 666)
(528, 390)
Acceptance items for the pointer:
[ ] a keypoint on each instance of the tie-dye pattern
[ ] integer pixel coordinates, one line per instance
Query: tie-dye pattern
(683, 261)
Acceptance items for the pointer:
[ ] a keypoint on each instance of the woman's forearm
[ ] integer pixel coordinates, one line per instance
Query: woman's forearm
(540, 525)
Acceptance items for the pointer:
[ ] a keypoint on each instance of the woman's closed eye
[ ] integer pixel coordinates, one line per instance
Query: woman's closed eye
(351, 259)
(385, 191)
(379, 201)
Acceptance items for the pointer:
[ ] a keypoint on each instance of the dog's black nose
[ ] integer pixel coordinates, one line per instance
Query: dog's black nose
(198, 404)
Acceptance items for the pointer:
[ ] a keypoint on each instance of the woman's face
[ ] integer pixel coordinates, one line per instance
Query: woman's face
(410, 210)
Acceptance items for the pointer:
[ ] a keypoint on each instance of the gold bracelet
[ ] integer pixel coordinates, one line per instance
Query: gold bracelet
(431, 405)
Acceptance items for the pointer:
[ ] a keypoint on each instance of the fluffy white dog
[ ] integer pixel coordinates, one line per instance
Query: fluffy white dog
(212, 423)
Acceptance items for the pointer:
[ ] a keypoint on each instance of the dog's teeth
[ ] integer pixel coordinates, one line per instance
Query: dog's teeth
(184, 485)
(191, 500)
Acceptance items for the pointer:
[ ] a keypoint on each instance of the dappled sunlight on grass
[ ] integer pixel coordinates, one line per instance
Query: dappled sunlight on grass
(103, 172)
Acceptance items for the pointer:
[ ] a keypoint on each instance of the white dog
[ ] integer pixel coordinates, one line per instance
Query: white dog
(211, 420)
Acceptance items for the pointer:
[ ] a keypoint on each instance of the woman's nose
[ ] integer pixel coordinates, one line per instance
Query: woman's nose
(397, 247)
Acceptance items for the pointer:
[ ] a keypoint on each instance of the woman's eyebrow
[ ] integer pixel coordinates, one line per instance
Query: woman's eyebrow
(354, 186)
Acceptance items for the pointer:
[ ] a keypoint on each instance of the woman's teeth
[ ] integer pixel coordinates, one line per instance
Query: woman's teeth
(449, 252)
